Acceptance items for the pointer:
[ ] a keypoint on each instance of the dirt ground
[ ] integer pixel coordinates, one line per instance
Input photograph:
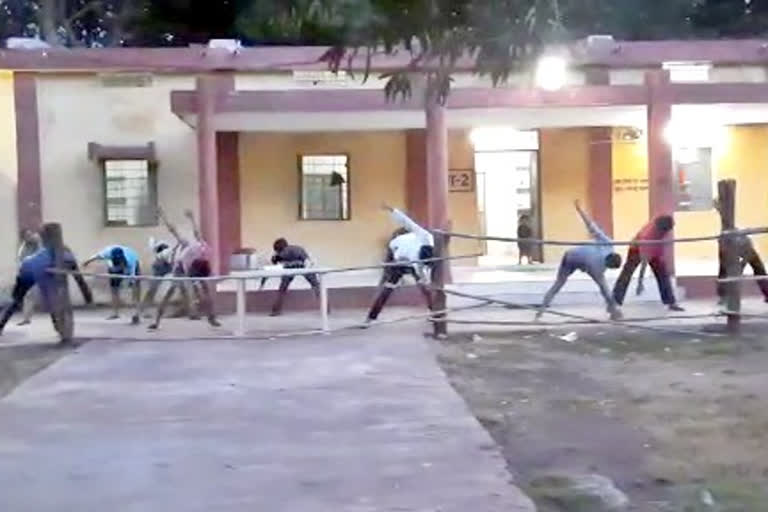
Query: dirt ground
(19, 362)
(667, 417)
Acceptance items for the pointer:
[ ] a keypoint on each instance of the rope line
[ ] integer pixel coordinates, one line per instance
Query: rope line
(258, 274)
(582, 317)
(523, 323)
(311, 332)
(574, 243)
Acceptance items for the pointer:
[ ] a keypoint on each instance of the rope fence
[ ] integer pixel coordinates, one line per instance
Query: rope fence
(439, 316)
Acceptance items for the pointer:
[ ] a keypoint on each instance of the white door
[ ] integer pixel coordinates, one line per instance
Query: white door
(506, 193)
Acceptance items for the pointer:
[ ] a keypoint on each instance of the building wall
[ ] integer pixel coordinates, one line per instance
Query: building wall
(743, 156)
(630, 188)
(269, 193)
(76, 109)
(8, 178)
(462, 206)
(564, 166)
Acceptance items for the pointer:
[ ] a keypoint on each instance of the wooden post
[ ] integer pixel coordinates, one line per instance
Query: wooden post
(729, 252)
(439, 278)
(59, 301)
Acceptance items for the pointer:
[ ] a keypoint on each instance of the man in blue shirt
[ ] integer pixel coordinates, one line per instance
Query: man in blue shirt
(34, 270)
(590, 259)
(123, 261)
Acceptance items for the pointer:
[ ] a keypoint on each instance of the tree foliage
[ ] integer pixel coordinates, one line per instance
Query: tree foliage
(503, 35)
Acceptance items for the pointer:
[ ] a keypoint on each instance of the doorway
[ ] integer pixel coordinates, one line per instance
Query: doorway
(506, 165)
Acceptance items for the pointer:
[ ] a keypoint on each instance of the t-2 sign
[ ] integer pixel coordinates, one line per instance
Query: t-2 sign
(461, 180)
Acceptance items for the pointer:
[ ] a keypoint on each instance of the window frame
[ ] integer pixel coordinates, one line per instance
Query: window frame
(712, 178)
(153, 194)
(300, 172)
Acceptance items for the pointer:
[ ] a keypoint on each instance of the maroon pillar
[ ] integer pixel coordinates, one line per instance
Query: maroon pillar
(228, 174)
(600, 178)
(207, 167)
(29, 207)
(661, 192)
(437, 166)
(416, 200)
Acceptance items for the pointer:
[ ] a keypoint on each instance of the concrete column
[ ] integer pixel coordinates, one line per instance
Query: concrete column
(661, 191)
(228, 174)
(29, 204)
(207, 167)
(600, 186)
(416, 200)
(437, 166)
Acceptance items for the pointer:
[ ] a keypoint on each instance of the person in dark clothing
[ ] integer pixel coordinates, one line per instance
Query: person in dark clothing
(747, 256)
(290, 256)
(524, 232)
(34, 270)
(408, 247)
(30, 244)
(655, 256)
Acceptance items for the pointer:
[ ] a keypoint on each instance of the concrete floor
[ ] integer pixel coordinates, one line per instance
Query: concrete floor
(358, 422)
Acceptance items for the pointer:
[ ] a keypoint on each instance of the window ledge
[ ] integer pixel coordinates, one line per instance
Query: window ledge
(99, 152)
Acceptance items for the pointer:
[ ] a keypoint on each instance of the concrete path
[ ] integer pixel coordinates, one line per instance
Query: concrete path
(359, 422)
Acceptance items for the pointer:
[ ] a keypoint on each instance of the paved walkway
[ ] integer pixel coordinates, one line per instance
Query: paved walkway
(365, 421)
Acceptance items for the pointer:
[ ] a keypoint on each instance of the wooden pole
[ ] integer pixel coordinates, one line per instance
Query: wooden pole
(437, 200)
(729, 251)
(439, 299)
(59, 301)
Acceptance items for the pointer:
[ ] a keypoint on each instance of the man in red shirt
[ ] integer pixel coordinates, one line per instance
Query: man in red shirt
(655, 256)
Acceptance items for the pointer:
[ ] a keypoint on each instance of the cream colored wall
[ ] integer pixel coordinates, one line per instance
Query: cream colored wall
(75, 110)
(269, 193)
(8, 178)
(743, 156)
(287, 80)
(564, 167)
(462, 206)
(630, 187)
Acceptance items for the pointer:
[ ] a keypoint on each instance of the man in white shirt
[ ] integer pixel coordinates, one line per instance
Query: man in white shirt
(408, 250)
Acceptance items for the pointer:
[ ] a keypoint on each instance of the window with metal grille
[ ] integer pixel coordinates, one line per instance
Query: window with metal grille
(130, 193)
(324, 187)
(693, 179)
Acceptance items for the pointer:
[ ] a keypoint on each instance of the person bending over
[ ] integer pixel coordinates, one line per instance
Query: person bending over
(655, 256)
(123, 261)
(194, 261)
(290, 256)
(34, 270)
(406, 252)
(590, 259)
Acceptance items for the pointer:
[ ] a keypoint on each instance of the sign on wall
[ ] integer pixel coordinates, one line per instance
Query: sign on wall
(461, 180)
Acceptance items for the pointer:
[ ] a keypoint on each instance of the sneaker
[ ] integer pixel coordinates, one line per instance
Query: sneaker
(276, 313)
(135, 320)
(617, 316)
(24, 322)
(153, 327)
(113, 317)
(213, 322)
(676, 307)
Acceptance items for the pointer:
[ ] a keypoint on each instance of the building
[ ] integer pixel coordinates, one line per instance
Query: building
(265, 142)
